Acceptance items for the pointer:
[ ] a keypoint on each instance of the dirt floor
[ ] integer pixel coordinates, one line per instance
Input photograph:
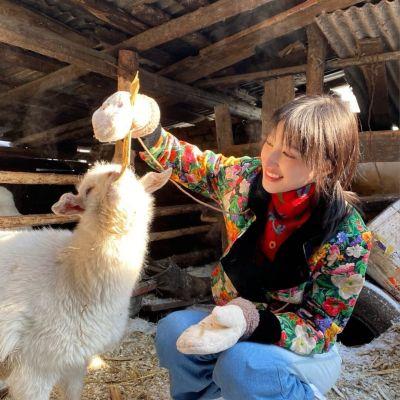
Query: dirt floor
(131, 371)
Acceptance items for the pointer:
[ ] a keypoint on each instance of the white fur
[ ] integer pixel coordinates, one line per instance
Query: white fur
(64, 295)
(7, 205)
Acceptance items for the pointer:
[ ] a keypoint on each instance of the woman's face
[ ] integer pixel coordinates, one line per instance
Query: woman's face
(283, 169)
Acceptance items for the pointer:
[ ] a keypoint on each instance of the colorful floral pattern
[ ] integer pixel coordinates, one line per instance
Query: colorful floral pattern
(325, 303)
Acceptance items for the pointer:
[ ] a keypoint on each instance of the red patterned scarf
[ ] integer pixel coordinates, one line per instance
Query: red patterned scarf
(286, 212)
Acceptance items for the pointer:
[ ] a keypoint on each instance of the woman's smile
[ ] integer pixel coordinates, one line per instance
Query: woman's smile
(272, 177)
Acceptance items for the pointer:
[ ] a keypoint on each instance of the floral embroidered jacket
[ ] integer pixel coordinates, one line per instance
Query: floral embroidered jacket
(307, 295)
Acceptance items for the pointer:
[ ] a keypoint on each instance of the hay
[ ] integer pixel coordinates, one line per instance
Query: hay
(131, 371)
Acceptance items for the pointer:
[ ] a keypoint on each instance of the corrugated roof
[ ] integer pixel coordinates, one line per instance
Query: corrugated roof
(344, 28)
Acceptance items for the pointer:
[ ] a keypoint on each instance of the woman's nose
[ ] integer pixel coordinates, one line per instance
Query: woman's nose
(272, 158)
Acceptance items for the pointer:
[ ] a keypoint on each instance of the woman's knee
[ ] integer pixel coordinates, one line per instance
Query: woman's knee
(244, 371)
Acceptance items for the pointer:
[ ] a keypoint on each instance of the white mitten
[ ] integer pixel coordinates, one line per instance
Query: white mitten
(117, 116)
(217, 332)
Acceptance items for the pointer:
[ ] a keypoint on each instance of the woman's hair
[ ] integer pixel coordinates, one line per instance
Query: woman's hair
(325, 132)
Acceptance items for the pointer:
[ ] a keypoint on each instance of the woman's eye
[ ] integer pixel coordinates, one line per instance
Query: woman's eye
(268, 143)
(288, 155)
(88, 190)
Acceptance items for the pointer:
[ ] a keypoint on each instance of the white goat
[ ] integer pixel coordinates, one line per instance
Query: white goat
(7, 205)
(64, 295)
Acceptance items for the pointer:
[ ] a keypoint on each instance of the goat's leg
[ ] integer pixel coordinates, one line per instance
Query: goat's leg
(72, 382)
(27, 384)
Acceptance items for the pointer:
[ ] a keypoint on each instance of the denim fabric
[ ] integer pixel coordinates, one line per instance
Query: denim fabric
(246, 371)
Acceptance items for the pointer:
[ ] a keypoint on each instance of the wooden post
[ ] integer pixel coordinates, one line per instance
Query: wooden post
(377, 85)
(223, 125)
(277, 92)
(316, 53)
(128, 65)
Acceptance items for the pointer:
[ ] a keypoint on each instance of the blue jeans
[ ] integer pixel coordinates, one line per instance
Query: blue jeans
(246, 371)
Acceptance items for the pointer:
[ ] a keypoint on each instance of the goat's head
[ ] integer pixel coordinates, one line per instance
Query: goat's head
(102, 187)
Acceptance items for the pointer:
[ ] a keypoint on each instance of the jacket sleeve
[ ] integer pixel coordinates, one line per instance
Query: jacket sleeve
(204, 172)
(338, 274)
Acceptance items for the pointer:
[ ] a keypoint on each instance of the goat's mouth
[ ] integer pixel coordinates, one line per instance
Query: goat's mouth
(77, 208)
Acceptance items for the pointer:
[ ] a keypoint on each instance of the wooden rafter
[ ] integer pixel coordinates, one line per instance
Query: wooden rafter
(24, 16)
(241, 45)
(188, 23)
(33, 61)
(298, 69)
(40, 40)
(85, 59)
(57, 133)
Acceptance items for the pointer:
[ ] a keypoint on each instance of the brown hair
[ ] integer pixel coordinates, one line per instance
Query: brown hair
(325, 132)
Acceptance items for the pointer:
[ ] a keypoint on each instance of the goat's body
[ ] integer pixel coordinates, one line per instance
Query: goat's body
(64, 297)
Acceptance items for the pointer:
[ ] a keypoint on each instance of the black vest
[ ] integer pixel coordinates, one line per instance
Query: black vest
(251, 272)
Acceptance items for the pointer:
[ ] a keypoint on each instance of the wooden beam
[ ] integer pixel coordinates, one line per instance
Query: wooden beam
(316, 52)
(188, 23)
(128, 65)
(241, 45)
(33, 61)
(380, 146)
(193, 230)
(32, 178)
(154, 16)
(377, 85)
(297, 69)
(154, 85)
(93, 60)
(37, 38)
(54, 135)
(24, 16)
(375, 146)
(20, 221)
(178, 210)
(111, 14)
(277, 92)
(223, 125)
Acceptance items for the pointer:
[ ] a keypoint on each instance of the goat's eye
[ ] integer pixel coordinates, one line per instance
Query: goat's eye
(88, 190)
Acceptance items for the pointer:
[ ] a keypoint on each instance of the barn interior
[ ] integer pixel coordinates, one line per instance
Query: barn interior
(218, 70)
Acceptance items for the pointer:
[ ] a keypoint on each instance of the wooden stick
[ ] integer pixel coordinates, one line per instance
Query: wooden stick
(128, 64)
(33, 178)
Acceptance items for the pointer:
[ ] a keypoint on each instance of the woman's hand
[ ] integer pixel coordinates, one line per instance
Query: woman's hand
(219, 331)
(117, 116)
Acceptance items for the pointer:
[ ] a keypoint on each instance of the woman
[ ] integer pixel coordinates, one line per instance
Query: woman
(295, 263)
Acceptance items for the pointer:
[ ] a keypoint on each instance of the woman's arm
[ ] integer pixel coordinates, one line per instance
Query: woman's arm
(338, 270)
(204, 172)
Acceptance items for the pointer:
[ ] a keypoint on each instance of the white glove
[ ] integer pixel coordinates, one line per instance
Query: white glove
(117, 116)
(217, 332)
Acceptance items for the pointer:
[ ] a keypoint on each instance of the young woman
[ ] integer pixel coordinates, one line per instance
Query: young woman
(294, 267)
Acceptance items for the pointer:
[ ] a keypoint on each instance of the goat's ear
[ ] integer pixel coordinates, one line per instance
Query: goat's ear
(153, 181)
(68, 204)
